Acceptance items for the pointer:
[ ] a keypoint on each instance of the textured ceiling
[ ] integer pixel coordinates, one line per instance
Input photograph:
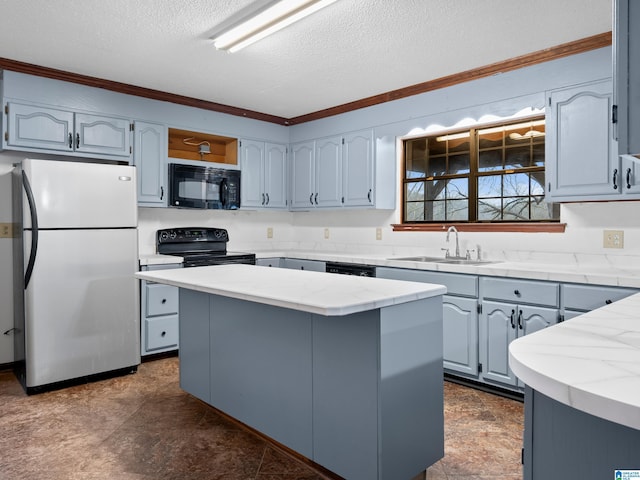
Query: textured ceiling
(353, 49)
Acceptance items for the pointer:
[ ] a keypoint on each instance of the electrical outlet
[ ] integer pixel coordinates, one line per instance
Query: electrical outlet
(269, 232)
(378, 233)
(613, 239)
(6, 230)
(326, 233)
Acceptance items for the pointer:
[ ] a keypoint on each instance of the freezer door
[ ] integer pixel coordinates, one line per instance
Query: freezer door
(81, 306)
(81, 195)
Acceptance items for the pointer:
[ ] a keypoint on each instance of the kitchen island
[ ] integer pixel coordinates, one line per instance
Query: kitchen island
(344, 370)
(582, 400)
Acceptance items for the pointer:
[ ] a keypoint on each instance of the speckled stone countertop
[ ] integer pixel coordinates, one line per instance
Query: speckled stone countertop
(315, 292)
(591, 362)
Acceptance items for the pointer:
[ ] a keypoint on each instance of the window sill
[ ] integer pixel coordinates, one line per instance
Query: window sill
(546, 227)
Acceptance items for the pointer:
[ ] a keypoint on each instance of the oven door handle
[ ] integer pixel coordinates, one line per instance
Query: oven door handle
(224, 192)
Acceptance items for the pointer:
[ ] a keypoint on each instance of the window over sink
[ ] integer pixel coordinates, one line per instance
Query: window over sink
(485, 174)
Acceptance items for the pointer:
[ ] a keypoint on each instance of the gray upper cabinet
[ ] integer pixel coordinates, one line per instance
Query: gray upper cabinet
(37, 128)
(581, 155)
(264, 174)
(149, 155)
(626, 58)
(357, 169)
(336, 171)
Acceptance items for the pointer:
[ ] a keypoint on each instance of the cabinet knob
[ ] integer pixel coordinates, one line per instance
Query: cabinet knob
(608, 301)
(516, 293)
(163, 334)
(164, 300)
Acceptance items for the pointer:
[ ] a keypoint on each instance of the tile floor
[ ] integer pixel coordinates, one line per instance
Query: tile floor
(143, 427)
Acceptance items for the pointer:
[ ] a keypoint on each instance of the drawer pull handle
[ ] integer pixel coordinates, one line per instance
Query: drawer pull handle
(163, 334)
(512, 319)
(615, 175)
(628, 178)
(608, 301)
(164, 300)
(520, 325)
(516, 293)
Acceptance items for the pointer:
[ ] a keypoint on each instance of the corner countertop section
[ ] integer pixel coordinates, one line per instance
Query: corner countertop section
(591, 362)
(315, 292)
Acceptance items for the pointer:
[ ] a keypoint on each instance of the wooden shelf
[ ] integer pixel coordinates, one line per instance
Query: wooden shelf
(223, 149)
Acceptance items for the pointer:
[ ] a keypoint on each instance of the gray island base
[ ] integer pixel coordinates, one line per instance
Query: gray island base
(358, 389)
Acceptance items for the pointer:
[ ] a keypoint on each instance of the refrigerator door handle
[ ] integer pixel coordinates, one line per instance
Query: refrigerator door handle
(34, 229)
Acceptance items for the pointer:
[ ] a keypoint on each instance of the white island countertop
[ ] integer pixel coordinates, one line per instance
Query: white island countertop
(591, 362)
(316, 292)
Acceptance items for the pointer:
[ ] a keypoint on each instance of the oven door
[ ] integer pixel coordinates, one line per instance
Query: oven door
(202, 187)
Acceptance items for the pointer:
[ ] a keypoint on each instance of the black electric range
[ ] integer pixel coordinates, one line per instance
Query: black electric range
(200, 246)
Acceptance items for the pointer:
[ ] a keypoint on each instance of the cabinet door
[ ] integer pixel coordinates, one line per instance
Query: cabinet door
(497, 330)
(630, 175)
(581, 156)
(357, 169)
(302, 175)
(297, 264)
(150, 150)
(252, 164)
(37, 127)
(328, 172)
(103, 135)
(460, 334)
(275, 175)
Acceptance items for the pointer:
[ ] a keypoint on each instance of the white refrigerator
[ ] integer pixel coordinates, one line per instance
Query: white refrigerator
(75, 298)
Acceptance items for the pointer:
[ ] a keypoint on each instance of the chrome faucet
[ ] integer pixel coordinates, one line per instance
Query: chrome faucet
(454, 230)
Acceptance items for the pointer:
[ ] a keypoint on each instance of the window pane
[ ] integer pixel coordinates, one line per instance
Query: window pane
(538, 156)
(515, 184)
(414, 212)
(541, 210)
(515, 208)
(458, 188)
(437, 147)
(490, 209)
(435, 211)
(490, 138)
(490, 186)
(537, 183)
(415, 158)
(517, 158)
(436, 189)
(414, 191)
(490, 160)
(458, 209)
(459, 164)
(458, 144)
(437, 166)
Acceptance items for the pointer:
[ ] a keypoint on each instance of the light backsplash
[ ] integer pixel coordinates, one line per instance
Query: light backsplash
(352, 231)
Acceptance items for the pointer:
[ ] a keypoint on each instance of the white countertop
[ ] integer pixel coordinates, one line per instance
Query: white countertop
(591, 362)
(315, 292)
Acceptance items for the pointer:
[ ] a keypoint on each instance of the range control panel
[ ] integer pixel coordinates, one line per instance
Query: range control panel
(188, 235)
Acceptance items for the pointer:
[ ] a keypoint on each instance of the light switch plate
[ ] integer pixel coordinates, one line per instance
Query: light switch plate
(6, 230)
(378, 233)
(269, 232)
(613, 239)
(326, 233)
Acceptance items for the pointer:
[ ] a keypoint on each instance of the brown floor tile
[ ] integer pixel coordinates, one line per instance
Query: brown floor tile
(144, 427)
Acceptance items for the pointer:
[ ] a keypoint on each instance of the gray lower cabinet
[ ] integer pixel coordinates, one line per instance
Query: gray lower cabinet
(269, 262)
(359, 394)
(578, 299)
(563, 442)
(511, 308)
(297, 264)
(460, 316)
(159, 319)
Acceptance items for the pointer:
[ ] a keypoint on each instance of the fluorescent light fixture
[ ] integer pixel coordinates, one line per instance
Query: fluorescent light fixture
(274, 18)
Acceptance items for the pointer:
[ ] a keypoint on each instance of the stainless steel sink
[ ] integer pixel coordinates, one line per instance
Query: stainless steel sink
(454, 261)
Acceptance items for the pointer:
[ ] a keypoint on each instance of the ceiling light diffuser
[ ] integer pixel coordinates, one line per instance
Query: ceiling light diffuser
(276, 17)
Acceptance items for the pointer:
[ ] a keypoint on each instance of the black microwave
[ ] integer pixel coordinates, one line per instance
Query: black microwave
(203, 187)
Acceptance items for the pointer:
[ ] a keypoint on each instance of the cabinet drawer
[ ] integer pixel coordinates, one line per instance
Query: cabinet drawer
(520, 291)
(161, 299)
(457, 284)
(161, 332)
(589, 297)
